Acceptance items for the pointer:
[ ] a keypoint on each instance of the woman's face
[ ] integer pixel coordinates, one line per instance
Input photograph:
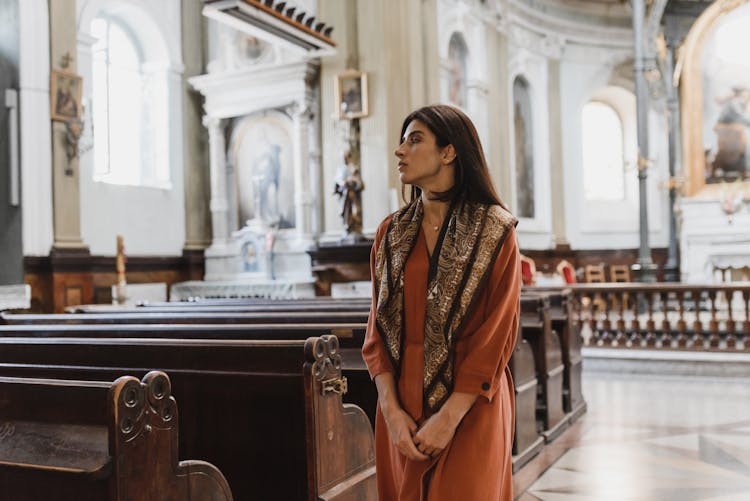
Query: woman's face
(421, 162)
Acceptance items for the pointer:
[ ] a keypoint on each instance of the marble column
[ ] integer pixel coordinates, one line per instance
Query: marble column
(556, 153)
(197, 179)
(644, 268)
(303, 200)
(219, 203)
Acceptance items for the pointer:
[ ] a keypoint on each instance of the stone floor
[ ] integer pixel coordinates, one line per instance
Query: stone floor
(649, 437)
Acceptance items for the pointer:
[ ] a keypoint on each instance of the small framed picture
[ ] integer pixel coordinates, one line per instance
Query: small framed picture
(351, 94)
(65, 93)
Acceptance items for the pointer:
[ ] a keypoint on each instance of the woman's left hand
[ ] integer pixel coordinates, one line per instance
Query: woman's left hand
(435, 434)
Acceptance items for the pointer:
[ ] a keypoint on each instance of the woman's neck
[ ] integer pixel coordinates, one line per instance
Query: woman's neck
(435, 210)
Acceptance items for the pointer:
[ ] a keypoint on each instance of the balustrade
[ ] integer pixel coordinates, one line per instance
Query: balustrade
(663, 315)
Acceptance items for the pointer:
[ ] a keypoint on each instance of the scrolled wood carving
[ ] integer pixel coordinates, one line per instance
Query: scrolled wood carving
(130, 406)
(141, 405)
(323, 352)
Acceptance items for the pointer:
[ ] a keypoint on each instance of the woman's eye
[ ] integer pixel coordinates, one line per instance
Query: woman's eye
(414, 140)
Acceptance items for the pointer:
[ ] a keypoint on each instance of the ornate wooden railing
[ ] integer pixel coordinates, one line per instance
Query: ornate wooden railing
(663, 315)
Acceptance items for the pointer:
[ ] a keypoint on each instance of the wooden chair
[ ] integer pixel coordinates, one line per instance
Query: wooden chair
(566, 271)
(619, 273)
(528, 270)
(594, 274)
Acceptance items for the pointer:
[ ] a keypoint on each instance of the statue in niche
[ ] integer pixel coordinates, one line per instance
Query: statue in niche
(349, 186)
(266, 171)
(729, 161)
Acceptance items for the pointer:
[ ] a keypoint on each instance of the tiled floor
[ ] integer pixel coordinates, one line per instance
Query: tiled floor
(660, 438)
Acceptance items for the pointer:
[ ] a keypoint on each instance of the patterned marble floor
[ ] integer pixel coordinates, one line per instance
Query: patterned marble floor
(644, 438)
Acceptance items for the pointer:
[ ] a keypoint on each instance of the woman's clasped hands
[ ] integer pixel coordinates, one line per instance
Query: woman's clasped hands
(418, 443)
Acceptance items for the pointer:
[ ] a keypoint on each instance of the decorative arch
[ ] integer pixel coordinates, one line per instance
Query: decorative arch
(135, 13)
(691, 92)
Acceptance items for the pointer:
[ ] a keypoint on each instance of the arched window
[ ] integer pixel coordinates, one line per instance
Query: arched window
(457, 56)
(129, 104)
(523, 148)
(603, 161)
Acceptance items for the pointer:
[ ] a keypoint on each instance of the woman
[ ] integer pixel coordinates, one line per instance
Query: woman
(443, 322)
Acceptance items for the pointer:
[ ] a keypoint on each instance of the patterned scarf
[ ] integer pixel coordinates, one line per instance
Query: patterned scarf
(467, 247)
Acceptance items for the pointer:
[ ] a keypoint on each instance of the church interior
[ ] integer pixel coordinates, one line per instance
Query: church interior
(189, 192)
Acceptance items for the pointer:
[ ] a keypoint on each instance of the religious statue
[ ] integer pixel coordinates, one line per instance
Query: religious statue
(266, 173)
(349, 186)
(730, 160)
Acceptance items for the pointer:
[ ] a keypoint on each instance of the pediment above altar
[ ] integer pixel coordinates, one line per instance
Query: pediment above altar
(244, 91)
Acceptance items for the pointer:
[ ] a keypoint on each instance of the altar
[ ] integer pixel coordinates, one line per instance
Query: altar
(262, 112)
(711, 240)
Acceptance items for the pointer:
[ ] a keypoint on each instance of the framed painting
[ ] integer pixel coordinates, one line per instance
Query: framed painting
(65, 95)
(351, 94)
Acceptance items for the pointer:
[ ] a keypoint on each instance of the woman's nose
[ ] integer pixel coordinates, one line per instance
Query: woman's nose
(398, 152)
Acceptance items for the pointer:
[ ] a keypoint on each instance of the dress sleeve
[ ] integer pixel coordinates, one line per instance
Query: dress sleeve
(373, 350)
(489, 347)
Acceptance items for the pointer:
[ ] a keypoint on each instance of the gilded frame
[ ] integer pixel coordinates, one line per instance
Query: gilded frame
(691, 95)
(66, 90)
(350, 88)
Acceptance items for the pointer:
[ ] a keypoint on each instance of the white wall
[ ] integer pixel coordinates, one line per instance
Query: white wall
(152, 220)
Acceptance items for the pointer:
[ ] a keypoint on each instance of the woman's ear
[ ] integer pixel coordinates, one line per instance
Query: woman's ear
(449, 154)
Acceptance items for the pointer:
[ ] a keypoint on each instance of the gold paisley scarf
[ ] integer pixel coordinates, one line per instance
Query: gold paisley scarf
(468, 244)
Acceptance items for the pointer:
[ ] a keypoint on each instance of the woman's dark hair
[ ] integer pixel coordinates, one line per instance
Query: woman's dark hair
(472, 177)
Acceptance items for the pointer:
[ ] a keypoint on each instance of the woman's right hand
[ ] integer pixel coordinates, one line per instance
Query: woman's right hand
(401, 430)
(401, 427)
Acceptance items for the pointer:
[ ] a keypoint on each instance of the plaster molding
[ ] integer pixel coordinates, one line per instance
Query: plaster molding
(583, 33)
(245, 91)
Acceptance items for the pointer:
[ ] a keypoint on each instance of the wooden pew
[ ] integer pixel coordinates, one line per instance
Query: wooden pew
(187, 317)
(351, 336)
(562, 320)
(95, 440)
(527, 441)
(267, 413)
(562, 304)
(318, 304)
(537, 330)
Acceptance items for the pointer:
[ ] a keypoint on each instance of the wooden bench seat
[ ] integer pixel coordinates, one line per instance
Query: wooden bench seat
(97, 440)
(267, 413)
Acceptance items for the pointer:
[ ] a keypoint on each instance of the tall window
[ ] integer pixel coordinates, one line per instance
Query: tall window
(523, 148)
(458, 53)
(603, 161)
(129, 107)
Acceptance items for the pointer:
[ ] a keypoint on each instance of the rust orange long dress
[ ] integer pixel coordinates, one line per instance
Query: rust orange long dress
(476, 464)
